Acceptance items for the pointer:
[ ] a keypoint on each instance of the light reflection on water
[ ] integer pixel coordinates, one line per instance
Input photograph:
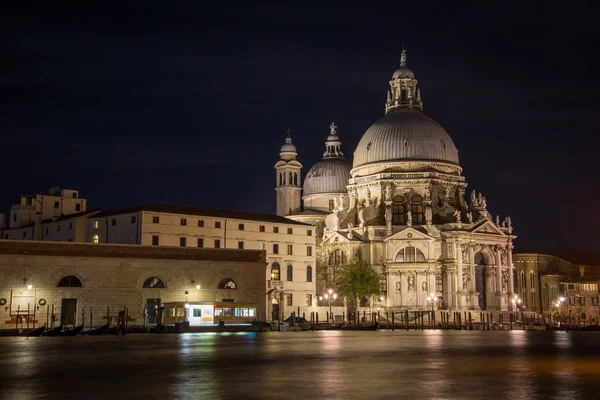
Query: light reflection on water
(335, 364)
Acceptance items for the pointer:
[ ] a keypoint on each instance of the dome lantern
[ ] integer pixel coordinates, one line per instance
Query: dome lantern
(403, 93)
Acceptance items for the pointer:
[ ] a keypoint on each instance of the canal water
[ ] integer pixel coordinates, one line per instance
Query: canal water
(307, 365)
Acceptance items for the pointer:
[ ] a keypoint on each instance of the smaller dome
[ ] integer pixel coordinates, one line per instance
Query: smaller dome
(288, 147)
(403, 72)
(330, 175)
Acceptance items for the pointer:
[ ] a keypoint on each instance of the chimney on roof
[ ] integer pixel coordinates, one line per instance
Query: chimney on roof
(581, 271)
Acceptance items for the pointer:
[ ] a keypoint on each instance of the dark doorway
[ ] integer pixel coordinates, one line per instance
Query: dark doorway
(480, 280)
(68, 311)
(152, 307)
(275, 312)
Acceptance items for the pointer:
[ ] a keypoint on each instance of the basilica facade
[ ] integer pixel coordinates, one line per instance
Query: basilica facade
(402, 207)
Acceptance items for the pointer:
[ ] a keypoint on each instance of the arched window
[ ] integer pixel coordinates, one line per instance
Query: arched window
(290, 273)
(291, 181)
(227, 283)
(338, 257)
(546, 296)
(382, 283)
(95, 239)
(309, 274)
(275, 272)
(416, 209)
(398, 210)
(553, 289)
(70, 281)
(439, 283)
(523, 281)
(409, 255)
(280, 179)
(295, 179)
(154, 283)
(532, 279)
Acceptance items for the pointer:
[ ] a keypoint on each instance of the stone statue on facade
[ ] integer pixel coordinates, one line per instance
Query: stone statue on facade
(427, 194)
(497, 220)
(368, 198)
(411, 283)
(473, 198)
(465, 279)
(397, 286)
(424, 286)
(341, 202)
(483, 203)
(408, 218)
(457, 216)
(470, 217)
(388, 192)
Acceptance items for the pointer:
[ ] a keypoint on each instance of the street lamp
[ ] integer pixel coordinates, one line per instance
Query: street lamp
(331, 296)
(432, 299)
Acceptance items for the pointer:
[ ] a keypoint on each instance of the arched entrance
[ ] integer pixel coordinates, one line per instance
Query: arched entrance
(480, 279)
(275, 309)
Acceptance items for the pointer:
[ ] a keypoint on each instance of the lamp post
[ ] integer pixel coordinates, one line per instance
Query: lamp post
(516, 302)
(432, 299)
(330, 296)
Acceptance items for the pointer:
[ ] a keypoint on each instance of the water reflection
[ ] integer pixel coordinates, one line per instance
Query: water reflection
(335, 364)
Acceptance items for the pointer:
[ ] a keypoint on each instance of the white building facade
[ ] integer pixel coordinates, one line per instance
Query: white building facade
(402, 209)
(290, 245)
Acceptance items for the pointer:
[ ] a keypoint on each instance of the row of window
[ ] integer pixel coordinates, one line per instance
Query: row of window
(217, 244)
(289, 300)
(288, 179)
(276, 272)
(581, 300)
(184, 222)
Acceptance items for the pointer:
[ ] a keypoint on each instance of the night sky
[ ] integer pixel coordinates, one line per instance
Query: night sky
(186, 103)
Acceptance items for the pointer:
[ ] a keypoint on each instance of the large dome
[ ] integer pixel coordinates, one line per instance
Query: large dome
(405, 134)
(329, 175)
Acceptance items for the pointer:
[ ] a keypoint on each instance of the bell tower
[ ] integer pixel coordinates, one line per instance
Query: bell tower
(288, 179)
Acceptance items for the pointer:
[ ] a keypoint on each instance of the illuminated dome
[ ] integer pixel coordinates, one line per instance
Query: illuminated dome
(331, 174)
(288, 147)
(405, 133)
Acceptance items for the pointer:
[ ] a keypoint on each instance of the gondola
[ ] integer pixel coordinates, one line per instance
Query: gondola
(73, 331)
(53, 331)
(35, 332)
(100, 330)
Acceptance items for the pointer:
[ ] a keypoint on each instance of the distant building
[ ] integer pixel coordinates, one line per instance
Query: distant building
(58, 202)
(76, 281)
(290, 245)
(543, 277)
(66, 228)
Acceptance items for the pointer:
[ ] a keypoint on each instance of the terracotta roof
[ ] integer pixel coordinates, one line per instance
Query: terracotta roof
(204, 211)
(69, 216)
(579, 258)
(48, 248)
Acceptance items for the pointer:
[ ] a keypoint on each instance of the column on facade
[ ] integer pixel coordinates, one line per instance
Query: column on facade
(472, 267)
(498, 269)
(459, 270)
(511, 271)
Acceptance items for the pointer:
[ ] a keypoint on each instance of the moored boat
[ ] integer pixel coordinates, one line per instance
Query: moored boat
(73, 331)
(54, 331)
(35, 332)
